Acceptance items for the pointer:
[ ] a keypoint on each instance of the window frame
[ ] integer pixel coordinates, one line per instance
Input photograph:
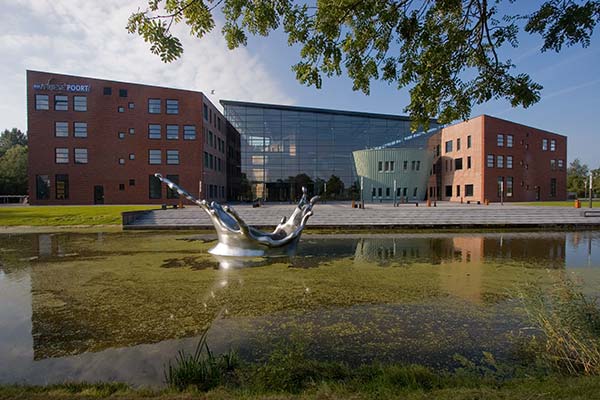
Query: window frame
(75, 103)
(60, 155)
(152, 156)
(172, 111)
(170, 153)
(152, 106)
(76, 159)
(77, 125)
(39, 103)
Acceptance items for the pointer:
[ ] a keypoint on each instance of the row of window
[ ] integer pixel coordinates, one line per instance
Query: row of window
(61, 155)
(213, 162)
(458, 164)
(468, 190)
(61, 102)
(449, 143)
(80, 156)
(388, 166)
(400, 192)
(61, 129)
(211, 117)
(214, 141)
(545, 145)
(500, 140)
(499, 162)
(171, 106)
(172, 132)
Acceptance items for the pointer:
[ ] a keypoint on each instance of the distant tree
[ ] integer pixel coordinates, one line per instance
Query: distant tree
(447, 52)
(335, 187)
(13, 171)
(596, 181)
(11, 138)
(245, 189)
(298, 181)
(577, 173)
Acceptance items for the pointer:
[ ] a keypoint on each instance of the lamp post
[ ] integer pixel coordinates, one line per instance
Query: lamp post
(590, 188)
(394, 193)
(502, 192)
(362, 198)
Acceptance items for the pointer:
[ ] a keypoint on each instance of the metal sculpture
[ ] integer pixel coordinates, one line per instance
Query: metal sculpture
(236, 238)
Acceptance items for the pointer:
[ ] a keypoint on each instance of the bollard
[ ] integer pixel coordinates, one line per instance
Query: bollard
(180, 202)
(461, 200)
(435, 203)
(428, 202)
(577, 203)
(353, 204)
(486, 202)
(417, 204)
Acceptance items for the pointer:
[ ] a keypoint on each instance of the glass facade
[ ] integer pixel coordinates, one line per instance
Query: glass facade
(284, 148)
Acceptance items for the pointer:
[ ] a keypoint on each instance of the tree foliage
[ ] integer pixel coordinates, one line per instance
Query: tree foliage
(577, 176)
(445, 51)
(335, 187)
(13, 171)
(11, 138)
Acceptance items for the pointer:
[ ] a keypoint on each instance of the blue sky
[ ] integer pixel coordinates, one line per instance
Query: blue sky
(91, 40)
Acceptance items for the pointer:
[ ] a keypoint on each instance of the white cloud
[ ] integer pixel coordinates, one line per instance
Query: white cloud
(89, 38)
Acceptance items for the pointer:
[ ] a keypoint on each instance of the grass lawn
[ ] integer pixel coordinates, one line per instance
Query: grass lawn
(568, 203)
(65, 215)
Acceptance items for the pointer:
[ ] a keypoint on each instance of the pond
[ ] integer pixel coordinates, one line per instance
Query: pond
(118, 306)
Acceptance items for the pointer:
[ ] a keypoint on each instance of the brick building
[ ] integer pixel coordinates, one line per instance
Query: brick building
(95, 141)
(487, 158)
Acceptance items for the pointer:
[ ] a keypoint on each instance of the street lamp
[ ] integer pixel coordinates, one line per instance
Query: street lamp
(590, 187)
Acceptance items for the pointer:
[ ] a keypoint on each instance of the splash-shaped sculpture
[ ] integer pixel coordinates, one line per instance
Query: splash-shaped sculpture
(236, 238)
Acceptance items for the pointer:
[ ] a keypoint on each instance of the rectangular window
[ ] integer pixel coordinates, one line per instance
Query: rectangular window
(544, 144)
(490, 161)
(387, 192)
(458, 144)
(107, 91)
(458, 163)
(131, 105)
(210, 139)
(154, 157)
(509, 161)
(469, 142)
(211, 161)
(154, 106)
(500, 140)
(391, 162)
(81, 156)
(553, 165)
(154, 131)
(385, 168)
(121, 135)
(205, 112)
(121, 109)
(509, 140)
(122, 92)
(509, 186)
(449, 146)
(121, 186)
(132, 182)
(61, 102)
(561, 164)
(41, 103)
(415, 192)
(404, 190)
(448, 190)
(412, 165)
(553, 187)
(418, 165)
(61, 186)
(552, 145)
(405, 165)
(500, 162)
(172, 106)
(172, 194)
(172, 132)
(173, 157)
(154, 187)
(219, 123)
(80, 103)
(61, 155)
(61, 129)
(468, 190)
(380, 166)
(457, 190)
(205, 160)
(189, 132)
(42, 187)
(80, 129)
(379, 192)
(469, 162)
(500, 185)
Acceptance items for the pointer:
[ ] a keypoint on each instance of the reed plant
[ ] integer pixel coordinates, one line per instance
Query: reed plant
(569, 325)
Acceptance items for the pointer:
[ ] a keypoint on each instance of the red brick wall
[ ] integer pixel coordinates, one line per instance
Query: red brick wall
(105, 148)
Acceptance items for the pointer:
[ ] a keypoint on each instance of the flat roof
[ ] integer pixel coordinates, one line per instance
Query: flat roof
(226, 103)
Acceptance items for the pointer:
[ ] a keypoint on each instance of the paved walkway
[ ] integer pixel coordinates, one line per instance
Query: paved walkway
(341, 215)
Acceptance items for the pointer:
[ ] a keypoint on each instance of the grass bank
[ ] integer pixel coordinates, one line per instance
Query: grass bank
(66, 215)
(568, 203)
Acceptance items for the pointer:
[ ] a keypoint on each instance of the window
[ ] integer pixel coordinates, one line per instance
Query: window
(153, 131)
(458, 163)
(154, 106)
(121, 109)
(211, 161)
(405, 165)
(448, 146)
(509, 186)
(387, 192)
(131, 131)
(173, 157)
(561, 164)
(131, 105)
(448, 190)
(552, 145)
(391, 162)
(219, 123)
(205, 160)
(42, 187)
(457, 190)
(373, 192)
(61, 155)
(490, 161)
(122, 92)
(81, 156)
(412, 165)
(553, 165)
(205, 112)
(385, 168)
(61, 186)
(553, 187)
(121, 135)
(210, 139)
(418, 165)
(172, 106)
(61, 102)
(131, 156)
(189, 132)
(500, 140)
(469, 162)
(154, 187)
(469, 142)
(437, 150)
(107, 91)
(509, 140)
(500, 162)
(544, 144)
(80, 129)
(415, 192)
(500, 185)
(458, 144)
(154, 157)
(121, 186)
(509, 161)
(404, 192)
(121, 161)
(379, 192)
(41, 103)
(172, 194)
(61, 129)
(132, 182)
(172, 132)
(380, 166)
(468, 190)
(80, 103)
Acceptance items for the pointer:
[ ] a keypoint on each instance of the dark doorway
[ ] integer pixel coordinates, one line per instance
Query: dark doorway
(98, 194)
(537, 193)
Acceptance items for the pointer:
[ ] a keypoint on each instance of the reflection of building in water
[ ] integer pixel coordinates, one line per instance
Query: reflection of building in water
(397, 249)
(535, 250)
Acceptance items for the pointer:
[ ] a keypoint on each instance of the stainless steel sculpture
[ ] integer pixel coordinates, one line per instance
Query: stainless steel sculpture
(236, 238)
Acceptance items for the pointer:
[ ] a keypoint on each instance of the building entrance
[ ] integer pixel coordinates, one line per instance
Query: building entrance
(98, 194)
